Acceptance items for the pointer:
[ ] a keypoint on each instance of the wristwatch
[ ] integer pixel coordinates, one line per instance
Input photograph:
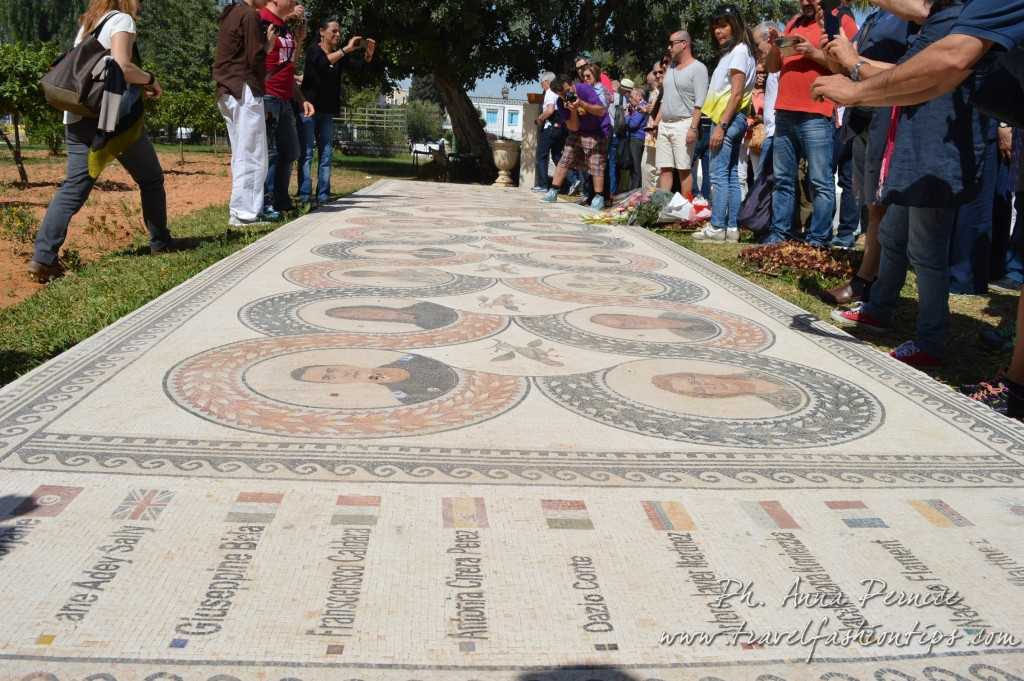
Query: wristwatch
(855, 71)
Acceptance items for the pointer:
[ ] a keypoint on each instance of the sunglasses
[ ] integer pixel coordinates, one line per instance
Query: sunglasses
(671, 43)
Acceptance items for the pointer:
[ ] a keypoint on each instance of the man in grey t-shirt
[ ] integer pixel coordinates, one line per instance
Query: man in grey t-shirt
(684, 90)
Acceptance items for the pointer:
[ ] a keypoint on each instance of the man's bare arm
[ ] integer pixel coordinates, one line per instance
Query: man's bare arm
(938, 69)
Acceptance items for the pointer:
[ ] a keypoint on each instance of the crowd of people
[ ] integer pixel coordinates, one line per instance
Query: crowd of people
(887, 111)
(907, 114)
(276, 118)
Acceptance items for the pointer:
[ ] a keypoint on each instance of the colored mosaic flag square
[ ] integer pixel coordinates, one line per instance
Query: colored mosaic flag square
(254, 507)
(856, 514)
(47, 501)
(770, 515)
(356, 510)
(939, 513)
(464, 513)
(143, 504)
(668, 515)
(566, 514)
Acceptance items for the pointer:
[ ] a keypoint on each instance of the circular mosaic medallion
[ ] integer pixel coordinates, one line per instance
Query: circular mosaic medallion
(757, 403)
(428, 236)
(576, 262)
(367, 321)
(554, 241)
(308, 387)
(398, 254)
(597, 288)
(662, 331)
(382, 275)
(336, 310)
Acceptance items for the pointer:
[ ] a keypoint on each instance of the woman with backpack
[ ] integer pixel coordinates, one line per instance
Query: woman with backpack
(112, 24)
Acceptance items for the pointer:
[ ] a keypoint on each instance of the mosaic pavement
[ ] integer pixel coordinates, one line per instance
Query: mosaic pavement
(444, 432)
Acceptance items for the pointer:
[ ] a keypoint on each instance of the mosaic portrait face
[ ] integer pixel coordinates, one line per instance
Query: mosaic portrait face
(706, 389)
(682, 326)
(351, 379)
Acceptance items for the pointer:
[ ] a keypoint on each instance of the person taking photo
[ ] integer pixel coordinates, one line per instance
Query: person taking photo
(321, 86)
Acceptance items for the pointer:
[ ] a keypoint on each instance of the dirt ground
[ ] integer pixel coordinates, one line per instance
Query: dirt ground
(109, 221)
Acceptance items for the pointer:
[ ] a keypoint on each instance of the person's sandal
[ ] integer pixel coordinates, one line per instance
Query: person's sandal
(44, 274)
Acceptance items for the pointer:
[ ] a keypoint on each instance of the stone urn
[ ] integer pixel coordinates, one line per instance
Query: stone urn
(506, 156)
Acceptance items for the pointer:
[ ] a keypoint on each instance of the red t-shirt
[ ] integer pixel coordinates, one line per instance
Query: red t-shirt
(799, 73)
(280, 69)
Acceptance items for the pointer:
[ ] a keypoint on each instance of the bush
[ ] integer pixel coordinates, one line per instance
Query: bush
(796, 258)
(17, 224)
(47, 127)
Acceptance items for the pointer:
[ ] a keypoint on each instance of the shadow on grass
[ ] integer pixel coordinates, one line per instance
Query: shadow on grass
(15, 363)
(114, 186)
(384, 167)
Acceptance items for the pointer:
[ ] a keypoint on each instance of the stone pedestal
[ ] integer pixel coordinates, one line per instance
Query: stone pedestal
(506, 155)
(528, 153)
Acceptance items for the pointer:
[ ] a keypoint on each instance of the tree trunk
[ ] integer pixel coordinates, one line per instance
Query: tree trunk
(469, 132)
(16, 148)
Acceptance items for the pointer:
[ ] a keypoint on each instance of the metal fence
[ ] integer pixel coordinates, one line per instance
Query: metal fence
(375, 130)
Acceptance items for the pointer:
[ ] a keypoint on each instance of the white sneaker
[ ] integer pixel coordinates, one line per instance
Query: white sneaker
(710, 233)
(239, 222)
(732, 235)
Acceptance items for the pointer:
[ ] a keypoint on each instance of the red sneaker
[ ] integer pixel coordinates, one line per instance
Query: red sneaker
(910, 354)
(856, 319)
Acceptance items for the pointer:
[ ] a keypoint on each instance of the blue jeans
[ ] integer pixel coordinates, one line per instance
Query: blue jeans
(972, 232)
(918, 237)
(725, 180)
(316, 133)
(614, 147)
(849, 209)
(282, 151)
(702, 155)
(141, 162)
(550, 143)
(766, 153)
(809, 136)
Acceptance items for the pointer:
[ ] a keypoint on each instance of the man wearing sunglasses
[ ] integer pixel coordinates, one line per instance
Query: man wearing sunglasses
(684, 88)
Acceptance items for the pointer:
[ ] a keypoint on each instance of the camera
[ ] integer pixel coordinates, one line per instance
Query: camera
(362, 44)
(571, 97)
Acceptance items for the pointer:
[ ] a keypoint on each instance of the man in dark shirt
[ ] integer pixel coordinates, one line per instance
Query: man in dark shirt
(239, 71)
(321, 86)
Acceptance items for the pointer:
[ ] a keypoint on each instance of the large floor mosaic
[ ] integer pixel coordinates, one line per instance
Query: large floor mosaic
(449, 433)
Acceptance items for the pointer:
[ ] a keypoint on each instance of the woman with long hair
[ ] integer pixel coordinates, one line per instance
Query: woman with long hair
(321, 85)
(89, 149)
(728, 100)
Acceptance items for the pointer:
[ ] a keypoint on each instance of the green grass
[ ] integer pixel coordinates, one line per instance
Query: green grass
(967, 361)
(85, 301)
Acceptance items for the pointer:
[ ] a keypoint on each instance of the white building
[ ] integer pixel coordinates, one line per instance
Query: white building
(503, 117)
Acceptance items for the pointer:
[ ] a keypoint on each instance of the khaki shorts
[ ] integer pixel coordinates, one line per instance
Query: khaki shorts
(673, 151)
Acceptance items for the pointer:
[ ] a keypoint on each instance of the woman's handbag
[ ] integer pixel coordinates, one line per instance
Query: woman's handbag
(758, 134)
(73, 84)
